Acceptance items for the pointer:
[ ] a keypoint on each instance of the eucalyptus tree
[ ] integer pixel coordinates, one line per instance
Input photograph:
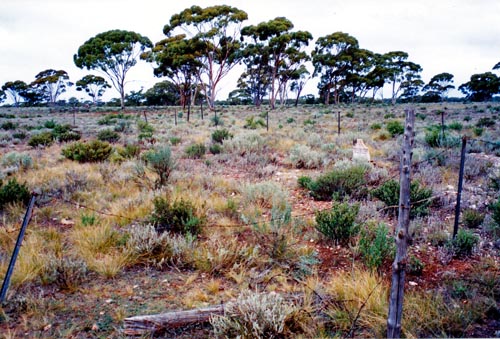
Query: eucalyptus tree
(93, 85)
(281, 49)
(439, 85)
(398, 69)
(299, 80)
(15, 91)
(332, 58)
(357, 80)
(162, 93)
(178, 59)
(2, 96)
(411, 86)
(216, 31)
(50, 84)
(481, 87)
(113, 53)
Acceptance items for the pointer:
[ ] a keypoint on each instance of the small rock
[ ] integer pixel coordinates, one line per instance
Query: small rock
(412, 283)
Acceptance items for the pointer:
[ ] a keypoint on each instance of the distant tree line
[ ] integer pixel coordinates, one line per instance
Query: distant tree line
(203, 45)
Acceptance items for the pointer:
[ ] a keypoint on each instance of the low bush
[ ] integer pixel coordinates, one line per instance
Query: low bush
(463, 244)
(338, 223)
(13, 192)
(220, 135)
(175, 140)
(215, 148)
(456, 126)
(376, 126)
(179, 216)
(92, 151)
(260, 315)
(161, 162)
(145, 130)
(196, 151)
(375, 245)
(108, 135)
(420, 201)
(302, 156)
(41, 139)
(395, 127)
(8, 125)
(254, 123)
(485, 122)
(339, 183)
(49, 124)
(472, 218)
(20, 161)
(129, 151)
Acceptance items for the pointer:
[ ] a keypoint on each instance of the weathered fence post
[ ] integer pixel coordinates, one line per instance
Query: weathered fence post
(338, 122)
(10, 269)
(460, 184)
(401, 236)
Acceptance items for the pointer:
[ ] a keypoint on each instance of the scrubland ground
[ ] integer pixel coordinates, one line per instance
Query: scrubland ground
(280, 224)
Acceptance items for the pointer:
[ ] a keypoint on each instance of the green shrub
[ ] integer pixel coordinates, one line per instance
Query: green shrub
(161, 162)
(196, 151)
(215, 148)
(395, 127)
(13, 192)
(478, 131)
(376, 126)
(8, 125)
(290, 120)
(69, 136)
(463, 244)
(129, 151)
(338, 223)
(19, 135)
(108, 135)
(64, 133)
(253, 123)
(375, 245)
(485, 122)
(175, 140)
(176, 217)
(389, 116)
(415, 266)
(42, 139)
(49, 124)
(145, 130)
(220, 135)
(420, 201)
(305, 181)
(93, 151)
(472, 218)
(339, 183)
(216, 120)
(456, 126)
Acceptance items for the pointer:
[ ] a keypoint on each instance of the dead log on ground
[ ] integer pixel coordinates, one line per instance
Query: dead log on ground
(157, 323)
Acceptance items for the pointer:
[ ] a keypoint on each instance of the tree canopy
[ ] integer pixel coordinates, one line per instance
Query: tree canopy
(16, 91)
(215, 30)
(93, 85)
(481, 87)
(50, 84)
(114, 53)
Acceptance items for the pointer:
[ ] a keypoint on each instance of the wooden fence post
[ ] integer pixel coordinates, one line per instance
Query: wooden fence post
(401, 236)
(460, 184)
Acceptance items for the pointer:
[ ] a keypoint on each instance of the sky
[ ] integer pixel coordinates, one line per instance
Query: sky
(461, 37)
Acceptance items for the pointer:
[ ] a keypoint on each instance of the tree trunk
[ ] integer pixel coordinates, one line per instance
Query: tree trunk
(399, 266)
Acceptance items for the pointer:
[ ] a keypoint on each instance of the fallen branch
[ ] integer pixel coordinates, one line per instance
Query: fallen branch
(157, 323)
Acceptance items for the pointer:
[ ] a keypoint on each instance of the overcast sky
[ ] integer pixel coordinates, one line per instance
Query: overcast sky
(461, 37)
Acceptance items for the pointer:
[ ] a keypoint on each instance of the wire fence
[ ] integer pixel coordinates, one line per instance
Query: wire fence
(263, 220)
